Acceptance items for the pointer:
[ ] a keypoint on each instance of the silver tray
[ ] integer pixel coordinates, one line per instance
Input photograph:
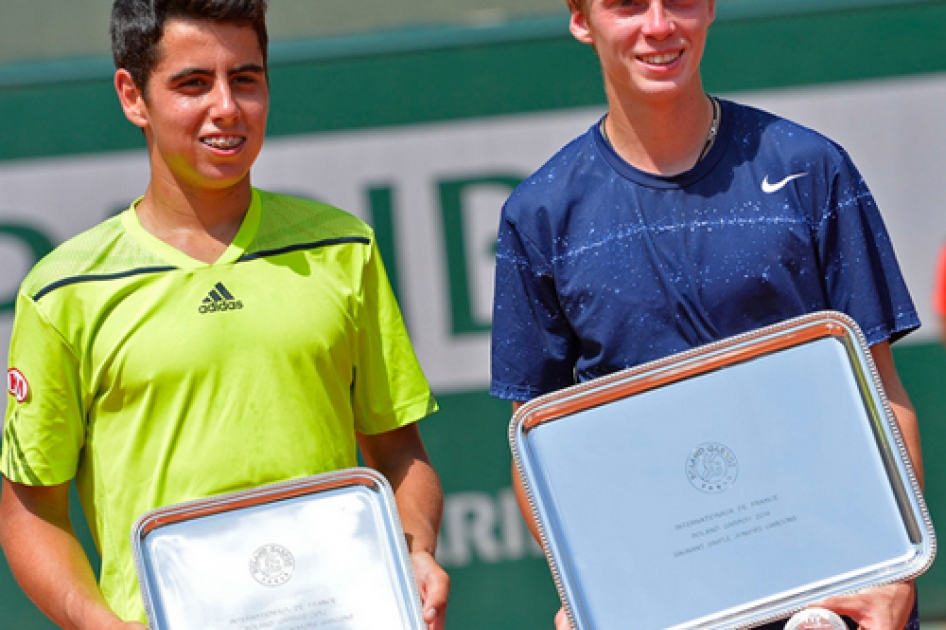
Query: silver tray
(724, 487)
(325, 552)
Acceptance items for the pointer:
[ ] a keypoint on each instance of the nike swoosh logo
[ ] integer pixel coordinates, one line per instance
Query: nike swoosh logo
(768, 188)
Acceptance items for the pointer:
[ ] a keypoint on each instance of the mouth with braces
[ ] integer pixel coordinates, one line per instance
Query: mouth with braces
(223, 142)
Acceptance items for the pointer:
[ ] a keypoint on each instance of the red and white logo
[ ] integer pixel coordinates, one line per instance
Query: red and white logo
(17, 385)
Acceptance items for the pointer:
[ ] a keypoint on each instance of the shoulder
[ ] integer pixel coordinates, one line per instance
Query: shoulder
(290, 221)
(564, 177)
(103, 249)
(770, 134)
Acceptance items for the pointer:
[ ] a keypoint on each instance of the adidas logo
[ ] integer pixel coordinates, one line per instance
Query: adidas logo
(218, 300)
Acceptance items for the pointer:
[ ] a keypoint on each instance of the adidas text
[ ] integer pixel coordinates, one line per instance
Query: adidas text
(219, 307)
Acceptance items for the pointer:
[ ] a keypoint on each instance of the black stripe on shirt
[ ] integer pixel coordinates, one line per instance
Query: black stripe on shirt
(98, 278)
(246, 257)
(342, 240)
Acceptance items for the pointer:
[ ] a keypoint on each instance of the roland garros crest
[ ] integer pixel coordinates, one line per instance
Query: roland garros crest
(17, 385)
(712, 467)
(272, 565)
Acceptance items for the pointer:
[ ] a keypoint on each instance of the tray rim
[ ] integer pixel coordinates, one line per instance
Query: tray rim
(702, 360)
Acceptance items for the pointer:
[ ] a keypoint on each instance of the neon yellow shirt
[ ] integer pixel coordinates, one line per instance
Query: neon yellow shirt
(153, 378)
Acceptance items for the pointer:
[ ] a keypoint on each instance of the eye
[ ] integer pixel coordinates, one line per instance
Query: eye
(245, 79)
(192, 84)
(248, 81)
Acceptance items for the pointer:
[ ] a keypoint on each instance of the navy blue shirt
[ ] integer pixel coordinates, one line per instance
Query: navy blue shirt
(601, 266)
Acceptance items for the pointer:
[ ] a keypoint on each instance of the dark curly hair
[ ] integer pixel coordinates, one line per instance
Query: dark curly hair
(137, 26)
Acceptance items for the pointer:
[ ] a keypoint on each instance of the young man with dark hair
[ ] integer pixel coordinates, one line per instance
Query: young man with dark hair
(212, 337)
(680, 219)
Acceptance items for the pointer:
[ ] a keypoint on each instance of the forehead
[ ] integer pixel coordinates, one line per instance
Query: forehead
(190, 41)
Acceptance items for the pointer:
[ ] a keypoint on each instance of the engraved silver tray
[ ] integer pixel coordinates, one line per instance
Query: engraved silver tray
(724, 487)
(325, 552)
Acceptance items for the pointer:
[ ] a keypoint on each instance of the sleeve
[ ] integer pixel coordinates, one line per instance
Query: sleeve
(861, 273)
(44, 430)
(390, 389)
(534, 349)
(939, 291)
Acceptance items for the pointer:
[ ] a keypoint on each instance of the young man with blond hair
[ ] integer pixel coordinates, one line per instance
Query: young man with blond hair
(680, 219)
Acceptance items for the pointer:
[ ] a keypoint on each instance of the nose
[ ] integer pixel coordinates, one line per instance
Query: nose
(224, 105)
(658, 22)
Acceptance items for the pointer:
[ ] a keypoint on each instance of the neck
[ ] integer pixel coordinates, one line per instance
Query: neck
(199, 223)
(665, 138)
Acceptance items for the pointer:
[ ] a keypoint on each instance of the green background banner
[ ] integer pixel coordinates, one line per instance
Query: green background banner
(65, 108)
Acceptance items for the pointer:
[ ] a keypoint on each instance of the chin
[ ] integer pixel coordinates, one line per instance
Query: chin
(668, 89)
(220, 181)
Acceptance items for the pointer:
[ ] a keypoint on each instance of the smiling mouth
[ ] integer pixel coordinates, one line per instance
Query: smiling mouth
(662, 59)
(223, 142)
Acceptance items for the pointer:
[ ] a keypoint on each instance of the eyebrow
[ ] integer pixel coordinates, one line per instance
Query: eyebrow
(189, 72)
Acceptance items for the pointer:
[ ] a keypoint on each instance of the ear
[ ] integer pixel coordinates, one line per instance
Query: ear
(580, 28)
(131, 99)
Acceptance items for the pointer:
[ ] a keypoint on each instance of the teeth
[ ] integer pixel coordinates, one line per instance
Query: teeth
(223, 143)
(661, 59)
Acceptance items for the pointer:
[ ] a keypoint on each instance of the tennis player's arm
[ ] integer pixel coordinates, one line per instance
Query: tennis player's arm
(401, 457)
(47, 559)
(900, 404)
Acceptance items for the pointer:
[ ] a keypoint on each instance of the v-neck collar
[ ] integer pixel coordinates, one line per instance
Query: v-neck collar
(176, 257)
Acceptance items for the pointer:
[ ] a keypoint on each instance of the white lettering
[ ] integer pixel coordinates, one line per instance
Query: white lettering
(470, 524)
(478, 526)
